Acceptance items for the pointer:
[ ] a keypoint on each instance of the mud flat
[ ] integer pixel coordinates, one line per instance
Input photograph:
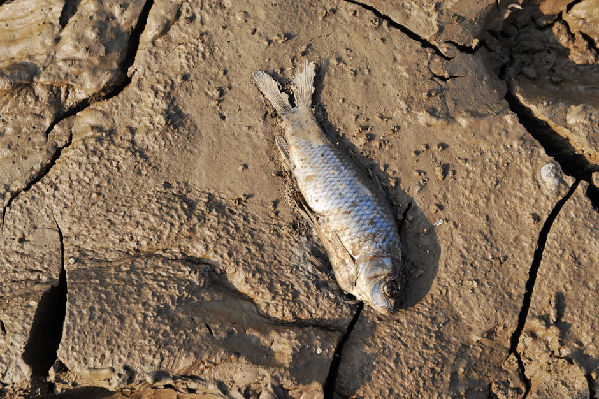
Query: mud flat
(148, 249)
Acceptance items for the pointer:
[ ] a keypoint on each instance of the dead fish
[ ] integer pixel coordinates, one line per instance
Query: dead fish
(346, 206)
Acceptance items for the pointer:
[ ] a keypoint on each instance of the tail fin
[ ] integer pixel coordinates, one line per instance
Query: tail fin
(303, 85)
(270, 89)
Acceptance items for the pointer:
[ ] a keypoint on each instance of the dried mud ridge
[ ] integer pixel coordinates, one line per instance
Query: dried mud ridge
(46, 332)
(41, 348)
(105, 94)
(403, 29)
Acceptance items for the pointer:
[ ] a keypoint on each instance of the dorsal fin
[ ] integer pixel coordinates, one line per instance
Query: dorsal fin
(303, 85)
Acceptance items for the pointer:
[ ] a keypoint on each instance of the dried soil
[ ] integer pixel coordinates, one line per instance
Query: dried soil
(148, 249)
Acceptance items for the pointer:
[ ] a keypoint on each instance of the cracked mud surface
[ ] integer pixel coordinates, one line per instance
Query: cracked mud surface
(147, 246)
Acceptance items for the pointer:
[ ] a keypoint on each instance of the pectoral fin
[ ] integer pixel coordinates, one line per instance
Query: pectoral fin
(344, 265)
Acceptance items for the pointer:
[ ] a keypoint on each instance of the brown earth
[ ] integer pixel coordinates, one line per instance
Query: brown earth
(148, 247)
(560, 345)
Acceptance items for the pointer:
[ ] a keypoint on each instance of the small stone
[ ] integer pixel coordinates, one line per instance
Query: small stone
(595, 177)
(551, 175)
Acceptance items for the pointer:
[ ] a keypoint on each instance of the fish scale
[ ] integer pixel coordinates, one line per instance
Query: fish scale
(335, 193)
(350, 214)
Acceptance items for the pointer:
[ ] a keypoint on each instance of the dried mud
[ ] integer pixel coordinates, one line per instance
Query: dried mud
(148, 249)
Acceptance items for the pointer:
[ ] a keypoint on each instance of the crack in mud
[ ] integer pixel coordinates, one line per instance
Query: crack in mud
(107, 92)
(572, 4)
(590, 42)
(411, 34)
(40, 352)
(555, 145)
(329, 384)
(532, 277)
(591, 386)
(560, 19)
(445, 78)
(68, 10)
(39, 176)
(111, 89)
(464, 48)
(593, 195)
(133, 44)
(522, 371)
(209, 329)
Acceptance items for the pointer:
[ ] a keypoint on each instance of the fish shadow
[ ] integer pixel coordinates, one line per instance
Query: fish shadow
(419, 244)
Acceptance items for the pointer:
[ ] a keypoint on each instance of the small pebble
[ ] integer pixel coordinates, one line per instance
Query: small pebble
(551, 174)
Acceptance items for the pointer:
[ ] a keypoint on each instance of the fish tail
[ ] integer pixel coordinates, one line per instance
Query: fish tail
(303, 85)
(270, 89)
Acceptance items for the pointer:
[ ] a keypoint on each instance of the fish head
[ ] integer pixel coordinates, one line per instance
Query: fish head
(385, 296)
(381, 284)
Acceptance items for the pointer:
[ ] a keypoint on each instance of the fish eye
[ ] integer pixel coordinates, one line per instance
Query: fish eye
(390, 289)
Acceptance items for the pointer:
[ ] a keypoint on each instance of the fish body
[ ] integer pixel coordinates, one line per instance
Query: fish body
(348, 210)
